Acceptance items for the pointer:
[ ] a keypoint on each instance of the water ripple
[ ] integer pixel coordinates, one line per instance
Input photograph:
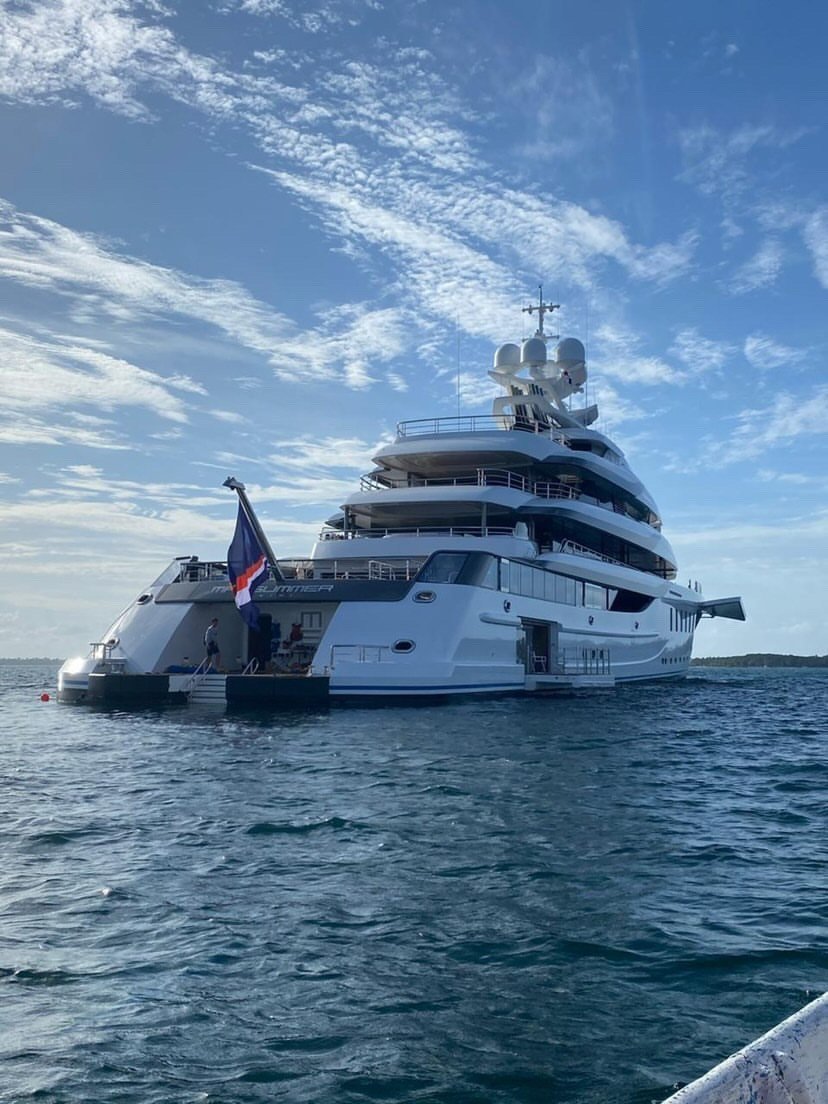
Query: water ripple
(583, 899)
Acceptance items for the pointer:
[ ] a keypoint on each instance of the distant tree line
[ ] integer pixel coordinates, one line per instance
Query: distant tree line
(762, 659)
(29, 659)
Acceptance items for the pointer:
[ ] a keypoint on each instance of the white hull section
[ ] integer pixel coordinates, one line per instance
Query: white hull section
(466, 642)
(435, 639)
(788, 1065)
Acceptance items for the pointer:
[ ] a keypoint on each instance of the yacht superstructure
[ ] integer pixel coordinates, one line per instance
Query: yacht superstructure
(513, 552)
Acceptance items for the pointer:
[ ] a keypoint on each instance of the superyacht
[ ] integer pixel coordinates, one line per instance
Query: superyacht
(509, 553)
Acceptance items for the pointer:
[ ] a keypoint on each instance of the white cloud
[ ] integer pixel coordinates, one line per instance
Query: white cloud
(718, 163)
(788, 418)
(616, 352)
(573, 115)
(761, 270)
(613, 409)
(367, 192)
(765, 353)
(698, 353)
(40, 376)
(815, 233)
(42, 254)
(19, 430)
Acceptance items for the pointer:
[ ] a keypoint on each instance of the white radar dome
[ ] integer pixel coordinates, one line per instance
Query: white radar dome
(570, 351)
(533, 351)
(507, 357)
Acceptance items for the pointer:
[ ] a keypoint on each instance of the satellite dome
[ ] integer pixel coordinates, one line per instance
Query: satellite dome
(570, 351)
(507, 357)
(533, 351)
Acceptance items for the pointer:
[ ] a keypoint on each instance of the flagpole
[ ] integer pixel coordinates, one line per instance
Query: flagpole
(250, 514)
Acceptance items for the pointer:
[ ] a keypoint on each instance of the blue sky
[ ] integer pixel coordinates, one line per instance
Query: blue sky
(248, 236)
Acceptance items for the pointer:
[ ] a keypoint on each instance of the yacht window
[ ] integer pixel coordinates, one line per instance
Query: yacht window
(570, 588)
(443, 567)
(480, 570)
(526, 579)
(403, 646)
(505, 575)
(538, 584)
(628, 601)
(595, 597)
(549, 581)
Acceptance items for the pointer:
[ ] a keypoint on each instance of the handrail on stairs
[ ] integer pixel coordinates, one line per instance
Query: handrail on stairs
(252, 667)
(198, 675)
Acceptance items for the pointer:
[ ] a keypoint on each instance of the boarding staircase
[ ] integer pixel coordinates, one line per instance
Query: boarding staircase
(570, 668)
(206, 686)
(209, 690)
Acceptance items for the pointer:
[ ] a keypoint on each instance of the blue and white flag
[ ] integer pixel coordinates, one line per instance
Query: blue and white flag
(247, 567)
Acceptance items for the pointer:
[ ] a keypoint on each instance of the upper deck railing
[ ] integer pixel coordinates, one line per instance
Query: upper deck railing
(495, 477)
(419, 531)
(479, 423)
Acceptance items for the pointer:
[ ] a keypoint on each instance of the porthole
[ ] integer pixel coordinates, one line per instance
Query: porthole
(403, 646)
(424, 596)
(142, 601)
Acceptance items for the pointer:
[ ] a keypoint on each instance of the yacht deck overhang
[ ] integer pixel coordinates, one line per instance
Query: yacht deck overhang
(446, 454)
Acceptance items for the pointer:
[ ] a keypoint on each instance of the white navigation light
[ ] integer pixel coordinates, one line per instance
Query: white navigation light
(507, 358)
(533, 351)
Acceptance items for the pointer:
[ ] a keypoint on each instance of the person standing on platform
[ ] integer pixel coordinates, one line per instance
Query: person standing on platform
(211, 646)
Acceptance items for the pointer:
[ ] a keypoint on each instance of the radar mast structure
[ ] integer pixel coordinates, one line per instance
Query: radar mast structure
(542, 309)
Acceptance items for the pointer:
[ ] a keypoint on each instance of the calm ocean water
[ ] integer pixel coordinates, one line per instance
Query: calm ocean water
(585, 899)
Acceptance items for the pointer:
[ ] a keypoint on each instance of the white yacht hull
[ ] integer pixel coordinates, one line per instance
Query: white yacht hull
(459, 640)
(511, 553)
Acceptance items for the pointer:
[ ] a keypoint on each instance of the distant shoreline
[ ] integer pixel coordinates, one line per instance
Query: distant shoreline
(761, 659)
(28, 659)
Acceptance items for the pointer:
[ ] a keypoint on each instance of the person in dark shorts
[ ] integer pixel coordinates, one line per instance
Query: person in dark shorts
(211, 645)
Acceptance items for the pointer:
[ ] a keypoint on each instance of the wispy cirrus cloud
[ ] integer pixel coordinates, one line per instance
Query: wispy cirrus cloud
(788, 418)
(815, 234)
(700, 354)
(766, 353)
(617, 352)
(351, 147)
(40, 376)
(759, 271)
(574, 113)
(719, 162)
(97, 279)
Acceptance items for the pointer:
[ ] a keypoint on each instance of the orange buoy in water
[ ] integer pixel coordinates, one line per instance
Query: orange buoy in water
(44, 697)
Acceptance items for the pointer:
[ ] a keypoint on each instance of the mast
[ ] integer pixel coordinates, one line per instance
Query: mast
(542, 309)
(244, 502)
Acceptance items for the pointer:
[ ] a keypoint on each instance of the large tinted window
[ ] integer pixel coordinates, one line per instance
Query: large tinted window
(443, 567)
(480, 570)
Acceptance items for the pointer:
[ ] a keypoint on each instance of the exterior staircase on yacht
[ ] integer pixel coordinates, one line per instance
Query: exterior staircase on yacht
(210, 689)
(572, 668)
(568, 682)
